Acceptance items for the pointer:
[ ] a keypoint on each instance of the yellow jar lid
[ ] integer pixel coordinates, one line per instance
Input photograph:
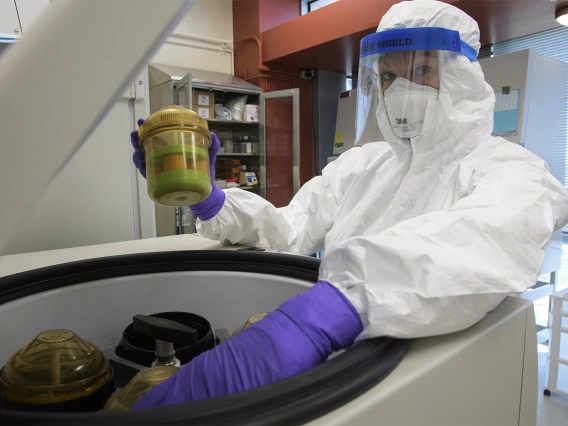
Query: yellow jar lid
(173, 116)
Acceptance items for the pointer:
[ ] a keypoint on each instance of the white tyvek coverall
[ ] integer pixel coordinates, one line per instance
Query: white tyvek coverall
(425, 236)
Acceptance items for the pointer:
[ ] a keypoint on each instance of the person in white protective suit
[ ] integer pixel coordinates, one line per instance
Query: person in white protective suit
(423, 234)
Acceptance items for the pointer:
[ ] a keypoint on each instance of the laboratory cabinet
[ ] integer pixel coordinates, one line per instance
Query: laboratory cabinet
(9, 22)
(530, 104)
(273, 151)
(29, 11)
(531, 110)
(18, 16)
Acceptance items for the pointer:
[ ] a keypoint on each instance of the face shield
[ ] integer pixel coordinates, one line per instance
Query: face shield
(401, 69)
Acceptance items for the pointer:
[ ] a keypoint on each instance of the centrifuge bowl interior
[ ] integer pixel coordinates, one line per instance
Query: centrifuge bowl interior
(97, 299)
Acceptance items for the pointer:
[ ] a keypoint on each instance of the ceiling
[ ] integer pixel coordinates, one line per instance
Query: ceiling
(310, 42)
(501, 20)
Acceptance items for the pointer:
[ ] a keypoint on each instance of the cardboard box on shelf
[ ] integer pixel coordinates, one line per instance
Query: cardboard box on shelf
(232, 171)
(228, 168)
(251, 113)
(206, 113)
(227, 162)
(235, 169)
(204, 103)
(226, 175)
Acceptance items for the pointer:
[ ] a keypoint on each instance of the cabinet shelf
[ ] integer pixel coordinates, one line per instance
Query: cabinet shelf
(248, 188)
(219, 121)
(236, 154)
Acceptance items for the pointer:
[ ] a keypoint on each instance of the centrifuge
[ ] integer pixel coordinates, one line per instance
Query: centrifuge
(483, 375)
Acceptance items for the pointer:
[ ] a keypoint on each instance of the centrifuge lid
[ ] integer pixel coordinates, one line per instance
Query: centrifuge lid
(49, 54)
(57, 366)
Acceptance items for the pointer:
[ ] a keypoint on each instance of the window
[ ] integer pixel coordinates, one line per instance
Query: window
(551, 43)
(312, 5)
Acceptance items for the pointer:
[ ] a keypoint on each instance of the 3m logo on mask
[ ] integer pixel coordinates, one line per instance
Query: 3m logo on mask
(400, 121)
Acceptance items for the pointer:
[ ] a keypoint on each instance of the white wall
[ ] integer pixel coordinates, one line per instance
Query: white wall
(197, 41)
(90, 200)
(209, 18)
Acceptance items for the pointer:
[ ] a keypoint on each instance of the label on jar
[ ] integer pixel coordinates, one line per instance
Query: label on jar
(203, 112)
(203, 100)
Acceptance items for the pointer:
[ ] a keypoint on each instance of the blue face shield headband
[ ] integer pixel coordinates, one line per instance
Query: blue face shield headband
(400, 67)
(429, 38)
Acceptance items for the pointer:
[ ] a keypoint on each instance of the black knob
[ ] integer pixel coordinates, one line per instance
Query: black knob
(165, 330)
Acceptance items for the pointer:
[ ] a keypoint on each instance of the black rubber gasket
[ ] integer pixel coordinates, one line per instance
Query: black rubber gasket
(295, 400)
(44, 279)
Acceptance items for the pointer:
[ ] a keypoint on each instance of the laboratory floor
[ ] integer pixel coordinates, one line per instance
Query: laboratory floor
(552, 410)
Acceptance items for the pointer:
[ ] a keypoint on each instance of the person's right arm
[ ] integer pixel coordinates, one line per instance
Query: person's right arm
(235, 216)
(300, 227)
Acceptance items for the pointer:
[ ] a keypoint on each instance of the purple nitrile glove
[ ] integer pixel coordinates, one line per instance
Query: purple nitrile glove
(298, 336)
(209, 207)
(139, 156)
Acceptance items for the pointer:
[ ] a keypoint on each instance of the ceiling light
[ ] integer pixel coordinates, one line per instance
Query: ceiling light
(562, 16)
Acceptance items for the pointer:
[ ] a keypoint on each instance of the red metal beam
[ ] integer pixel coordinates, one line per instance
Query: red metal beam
(328, 39)
(340, 19)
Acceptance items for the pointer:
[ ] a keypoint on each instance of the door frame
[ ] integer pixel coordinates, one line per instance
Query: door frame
(281, 94)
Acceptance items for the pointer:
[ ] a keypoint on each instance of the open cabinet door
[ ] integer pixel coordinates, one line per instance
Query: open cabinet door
(183, 92)
(280, 147)
(184, 218)
(177, 220)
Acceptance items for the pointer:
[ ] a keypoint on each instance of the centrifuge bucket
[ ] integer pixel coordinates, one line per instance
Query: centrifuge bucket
(57, 371)
(98, 298)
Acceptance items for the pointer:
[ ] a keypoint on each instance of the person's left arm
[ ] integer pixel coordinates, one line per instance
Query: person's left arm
(443, 271)
(298, 336)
